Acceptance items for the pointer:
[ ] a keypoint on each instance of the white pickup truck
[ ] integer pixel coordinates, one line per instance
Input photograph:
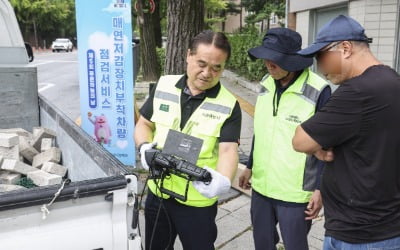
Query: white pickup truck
(98, 208)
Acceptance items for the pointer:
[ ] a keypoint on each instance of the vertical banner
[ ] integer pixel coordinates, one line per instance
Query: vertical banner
(104, 30)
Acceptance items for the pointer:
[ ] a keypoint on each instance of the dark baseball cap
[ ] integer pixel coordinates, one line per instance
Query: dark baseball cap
(341, 28)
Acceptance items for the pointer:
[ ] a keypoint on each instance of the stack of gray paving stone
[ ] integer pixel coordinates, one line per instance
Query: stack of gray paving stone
(29, 154)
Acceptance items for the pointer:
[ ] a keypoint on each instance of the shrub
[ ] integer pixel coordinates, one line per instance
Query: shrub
(240, 62)
(161, 58)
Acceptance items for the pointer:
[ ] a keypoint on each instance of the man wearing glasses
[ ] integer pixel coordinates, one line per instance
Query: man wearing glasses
(356, 132)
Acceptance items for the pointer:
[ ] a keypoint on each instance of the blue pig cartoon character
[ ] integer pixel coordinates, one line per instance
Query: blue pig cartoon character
(102, 131)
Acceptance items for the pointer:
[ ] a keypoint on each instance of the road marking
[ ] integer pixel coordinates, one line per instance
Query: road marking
(47, 85)
(41, 62)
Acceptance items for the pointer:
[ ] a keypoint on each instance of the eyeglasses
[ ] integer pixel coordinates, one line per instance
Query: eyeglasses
(321, 53)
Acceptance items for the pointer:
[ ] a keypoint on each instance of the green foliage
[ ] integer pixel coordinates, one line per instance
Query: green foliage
(215, 5)
(50, 18)
(161, 58)
(263, 9)
(240, 62)
(215, 10)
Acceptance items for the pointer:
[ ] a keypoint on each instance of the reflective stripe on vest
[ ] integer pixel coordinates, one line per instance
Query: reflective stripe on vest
(278, 171)
(205, 123)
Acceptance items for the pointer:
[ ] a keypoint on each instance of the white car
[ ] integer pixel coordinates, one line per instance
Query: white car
(62, 44)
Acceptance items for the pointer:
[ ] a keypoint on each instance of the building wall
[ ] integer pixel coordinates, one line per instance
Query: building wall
(232, 22)
(381, 21)
(302, 5)
(303, 26)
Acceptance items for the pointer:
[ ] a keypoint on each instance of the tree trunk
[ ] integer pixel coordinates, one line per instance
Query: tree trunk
(35, 32)
(148, 54)
(241, 17)
(185, 20)
(157, 24)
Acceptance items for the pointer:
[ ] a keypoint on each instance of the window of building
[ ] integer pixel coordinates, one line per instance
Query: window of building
(320, 17)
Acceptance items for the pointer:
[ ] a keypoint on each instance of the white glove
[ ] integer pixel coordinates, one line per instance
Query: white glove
(143, 148)
(219, 184)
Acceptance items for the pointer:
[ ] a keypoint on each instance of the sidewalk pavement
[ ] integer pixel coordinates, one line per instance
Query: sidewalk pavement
(233, 218)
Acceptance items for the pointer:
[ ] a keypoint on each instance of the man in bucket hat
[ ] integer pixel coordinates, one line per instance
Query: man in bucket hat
(357, 131)
(284, 182)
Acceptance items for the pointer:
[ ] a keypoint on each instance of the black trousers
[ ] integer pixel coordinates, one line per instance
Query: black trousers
(195, 226)
(266, 213)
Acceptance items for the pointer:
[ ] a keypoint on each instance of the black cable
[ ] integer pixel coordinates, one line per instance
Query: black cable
(140, 204)
(158, 213)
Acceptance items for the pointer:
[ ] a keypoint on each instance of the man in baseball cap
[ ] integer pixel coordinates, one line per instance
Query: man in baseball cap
(285, 183)
(342, 28)
(357, 133)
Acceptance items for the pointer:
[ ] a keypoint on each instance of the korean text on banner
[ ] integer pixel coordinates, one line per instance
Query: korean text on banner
(104, 30)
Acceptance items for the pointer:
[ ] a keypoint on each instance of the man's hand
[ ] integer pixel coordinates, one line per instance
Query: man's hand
(219, 184)
(244, 179)
(314, 205)
(325, 155)
(143, 148)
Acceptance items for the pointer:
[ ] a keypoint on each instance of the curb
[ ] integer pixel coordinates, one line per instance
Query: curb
(235, 78)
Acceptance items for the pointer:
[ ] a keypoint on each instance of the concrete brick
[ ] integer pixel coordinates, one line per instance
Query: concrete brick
(42, 178)
(9, 178)
(54, 168)
(18, 131)
(35, 131)
(53, 155)
(26, 149)
(16, 166)
(39, 134)
(47, 143)
(8, 140)
(8, 187)
(10, 153)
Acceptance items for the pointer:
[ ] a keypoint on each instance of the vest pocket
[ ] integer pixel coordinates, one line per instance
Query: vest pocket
(165, 120)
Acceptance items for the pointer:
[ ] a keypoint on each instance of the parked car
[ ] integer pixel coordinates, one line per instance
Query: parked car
(62, 44)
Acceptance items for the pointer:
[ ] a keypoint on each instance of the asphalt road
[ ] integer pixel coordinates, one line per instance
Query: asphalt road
(58, 80)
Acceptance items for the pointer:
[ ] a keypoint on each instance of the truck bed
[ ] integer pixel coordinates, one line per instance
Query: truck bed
(94, 211)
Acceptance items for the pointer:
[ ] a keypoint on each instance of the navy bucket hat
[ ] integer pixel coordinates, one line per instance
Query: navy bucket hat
(341, 28)
(280, 46)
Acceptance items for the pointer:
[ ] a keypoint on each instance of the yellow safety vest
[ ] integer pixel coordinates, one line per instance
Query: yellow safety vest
(205, 123)
(279, 172)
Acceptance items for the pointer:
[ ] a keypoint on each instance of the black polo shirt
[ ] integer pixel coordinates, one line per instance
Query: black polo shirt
(361, 186)
(230, 131)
